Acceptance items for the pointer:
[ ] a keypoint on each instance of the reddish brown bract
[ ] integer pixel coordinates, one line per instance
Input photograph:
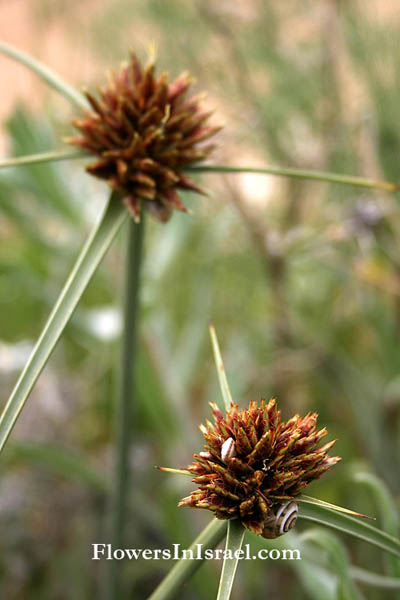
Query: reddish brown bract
(266, 463)
(145, 132)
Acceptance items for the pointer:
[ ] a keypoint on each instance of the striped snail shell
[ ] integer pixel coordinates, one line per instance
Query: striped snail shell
(280, 519)
(228, 449)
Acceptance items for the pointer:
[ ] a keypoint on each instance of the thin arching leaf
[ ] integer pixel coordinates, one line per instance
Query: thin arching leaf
(375, 579)
(42, 157)
(299, 174)
(339, 561)
(223, 382)
(340, 509)
(387, 508)
(49, 76)
(67, 463)
(312, 510)
(89, 259)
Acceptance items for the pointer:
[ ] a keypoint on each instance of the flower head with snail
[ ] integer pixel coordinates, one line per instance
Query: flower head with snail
(254, 465)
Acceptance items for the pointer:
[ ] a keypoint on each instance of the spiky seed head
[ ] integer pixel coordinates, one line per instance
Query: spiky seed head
(255, 464)
(144, 132)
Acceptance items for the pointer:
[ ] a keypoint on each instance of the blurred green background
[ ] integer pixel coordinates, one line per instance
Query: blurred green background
(301, 279)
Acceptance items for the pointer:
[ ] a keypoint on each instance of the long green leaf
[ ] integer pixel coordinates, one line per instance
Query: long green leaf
(42, 157)
(51, 78)
(338, 558)
(223, 382)
(375, 579)
(384, 501)
(387, 508)
(89, 259)
(341, 509)
(184, 569)
(299, 174)
(234, 541)
(320, 513)
(62, 461)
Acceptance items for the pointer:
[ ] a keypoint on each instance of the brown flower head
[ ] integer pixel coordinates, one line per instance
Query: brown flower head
(145, 132)
(254, 464)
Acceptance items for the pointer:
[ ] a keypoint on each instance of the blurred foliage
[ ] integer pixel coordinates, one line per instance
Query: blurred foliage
(302, 281)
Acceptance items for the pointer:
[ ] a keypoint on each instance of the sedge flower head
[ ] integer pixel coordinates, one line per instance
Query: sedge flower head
(144, 131)
(253, 463)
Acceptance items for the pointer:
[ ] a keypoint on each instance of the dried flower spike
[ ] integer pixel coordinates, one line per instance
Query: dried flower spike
(255, 465)
(145, 132)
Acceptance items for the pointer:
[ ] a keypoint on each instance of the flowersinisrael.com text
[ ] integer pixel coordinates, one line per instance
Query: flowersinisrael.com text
(107, 552)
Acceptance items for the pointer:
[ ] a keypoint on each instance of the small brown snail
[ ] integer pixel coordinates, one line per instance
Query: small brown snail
(228, 449)
(280, 520)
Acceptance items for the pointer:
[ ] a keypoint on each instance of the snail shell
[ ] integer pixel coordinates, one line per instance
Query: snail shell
(228, 449)
(280, 520)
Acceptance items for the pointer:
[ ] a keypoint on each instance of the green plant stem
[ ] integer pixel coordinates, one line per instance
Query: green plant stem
(90, 257)
(300, 174)
(126, 395)
(42, 157)
(210, 537)
(234, 541)
(49, 76)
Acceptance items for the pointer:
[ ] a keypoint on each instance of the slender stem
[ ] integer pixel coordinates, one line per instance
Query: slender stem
(300, 174)
(184, 569)
(49, 76)
(42, 157)
(126, 396)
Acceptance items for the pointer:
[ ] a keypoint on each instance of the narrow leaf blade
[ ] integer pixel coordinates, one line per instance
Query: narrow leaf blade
(42, 157)
(299, 174)
(338, 560)
(89, 259)
(319, 513)
(223, 382)
(375, 579)
(51, 78)
(346, 511)
(234, 541)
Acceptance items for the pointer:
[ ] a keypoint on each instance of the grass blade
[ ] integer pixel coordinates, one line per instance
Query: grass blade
(320, 513)
(387, 508)
(334, 507)
(210, 537)
(43, 157)
(299, 174)
(375, 579)
(89, 259)
(234, 541)
(338, 559)
(223, 382)
(49, 76)
(64, 462)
